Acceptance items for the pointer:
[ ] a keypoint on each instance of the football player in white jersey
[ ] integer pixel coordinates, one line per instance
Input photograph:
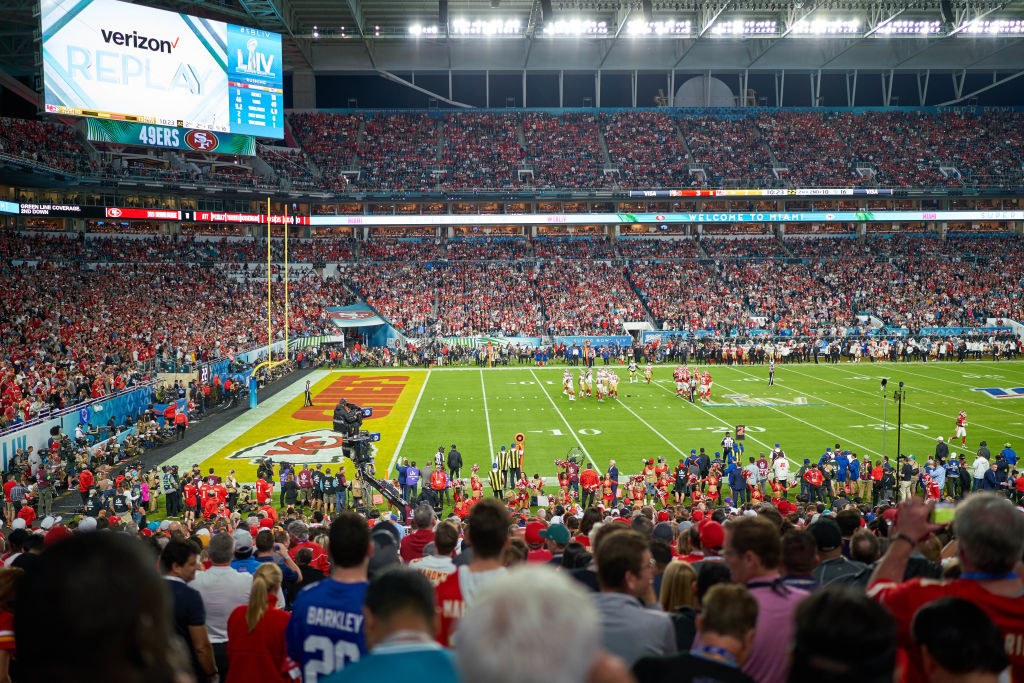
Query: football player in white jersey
(632, 371)
(567, 385)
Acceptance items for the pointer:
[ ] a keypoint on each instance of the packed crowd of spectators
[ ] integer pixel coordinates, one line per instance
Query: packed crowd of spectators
(487, 149)
(290, 165)
(640, 586)
(330, 141)
(85, 333)
(401, 292)
(493, 298)
(564, 150)
(580, 297)
(641, 248)
(573, 248)
(763, 247)
(398, 151)
(519, 286)
(646, 148)
(727, 148)
(481, 150)
(51, 144)
(161, 249)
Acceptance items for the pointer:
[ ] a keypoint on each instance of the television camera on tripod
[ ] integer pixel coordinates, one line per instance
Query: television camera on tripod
(348, 421)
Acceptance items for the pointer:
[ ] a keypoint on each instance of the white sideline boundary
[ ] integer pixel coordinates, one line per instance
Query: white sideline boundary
(487, 415)
(408, 423)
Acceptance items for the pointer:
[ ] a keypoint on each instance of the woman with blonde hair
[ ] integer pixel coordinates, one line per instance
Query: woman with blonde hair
(678, 598)
(256, 633)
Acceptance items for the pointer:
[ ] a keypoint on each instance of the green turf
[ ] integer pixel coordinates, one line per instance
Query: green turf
(809, 408)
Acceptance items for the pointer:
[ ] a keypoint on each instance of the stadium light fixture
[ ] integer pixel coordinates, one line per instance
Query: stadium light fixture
(576, 27)
(744, 27)
(486, 27)
(418, 30)
(994, 27)
(822, 27)
(668, 27)
(922, 27)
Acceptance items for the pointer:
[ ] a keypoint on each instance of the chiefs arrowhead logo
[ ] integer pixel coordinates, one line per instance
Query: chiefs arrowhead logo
(312, 447)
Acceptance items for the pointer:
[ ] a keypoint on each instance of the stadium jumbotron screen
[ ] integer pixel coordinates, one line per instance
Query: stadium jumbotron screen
(113, 60)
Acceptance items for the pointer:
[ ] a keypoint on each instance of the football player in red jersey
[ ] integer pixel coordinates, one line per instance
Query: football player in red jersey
(961, 428)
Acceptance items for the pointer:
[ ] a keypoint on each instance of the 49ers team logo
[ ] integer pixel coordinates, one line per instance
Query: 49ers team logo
(312, 447)
(201, 140)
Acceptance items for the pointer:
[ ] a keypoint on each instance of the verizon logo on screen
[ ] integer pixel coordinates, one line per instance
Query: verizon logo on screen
(139, 42)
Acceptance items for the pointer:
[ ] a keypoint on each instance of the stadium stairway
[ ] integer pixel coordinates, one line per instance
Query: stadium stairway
(648, 313)
(674, 122)
(606, 157)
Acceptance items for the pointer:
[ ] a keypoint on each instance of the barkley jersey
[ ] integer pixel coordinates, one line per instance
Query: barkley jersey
(325, 632)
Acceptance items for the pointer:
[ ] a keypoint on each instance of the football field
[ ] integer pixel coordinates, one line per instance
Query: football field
(809, 408)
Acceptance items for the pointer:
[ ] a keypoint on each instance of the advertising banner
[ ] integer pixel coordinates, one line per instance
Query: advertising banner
(151, 135)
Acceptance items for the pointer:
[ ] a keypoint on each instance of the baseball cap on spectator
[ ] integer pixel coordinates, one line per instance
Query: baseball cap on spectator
(387, 528)
(164, 525)
(827, 534)
(18, 523)
(88, 524)
(712, 535)
(663, 516)
(532, 535)
(49, 521)
(663, 530)
(243, 539)
(153, 526)
(558, 533)
(697, 516)
(266, 523)
(890, 515)
(55, 534)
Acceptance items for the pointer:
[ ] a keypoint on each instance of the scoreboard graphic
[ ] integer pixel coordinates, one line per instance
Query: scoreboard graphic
(112, 60)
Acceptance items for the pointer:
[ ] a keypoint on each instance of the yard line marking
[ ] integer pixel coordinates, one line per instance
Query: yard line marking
(408, 423)
(943, 415)
(842, 407)
(961, 386)
(567, 426)
(487, 416)
(674, 447)
(1009, 365)
(768, 448)
(811, 424)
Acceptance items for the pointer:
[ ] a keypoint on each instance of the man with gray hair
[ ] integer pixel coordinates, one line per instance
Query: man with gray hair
(222, 589)
(990, 541)
(534, 624)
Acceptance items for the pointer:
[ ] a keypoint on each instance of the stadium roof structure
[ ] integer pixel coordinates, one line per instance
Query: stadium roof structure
(395, 38)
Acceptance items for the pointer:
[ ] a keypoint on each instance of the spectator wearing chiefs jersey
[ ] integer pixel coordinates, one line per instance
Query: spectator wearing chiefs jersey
(990, 541)
(488, 535)
(299, 533)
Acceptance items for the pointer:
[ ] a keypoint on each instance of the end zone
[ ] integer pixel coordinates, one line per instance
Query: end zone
(283, 429)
